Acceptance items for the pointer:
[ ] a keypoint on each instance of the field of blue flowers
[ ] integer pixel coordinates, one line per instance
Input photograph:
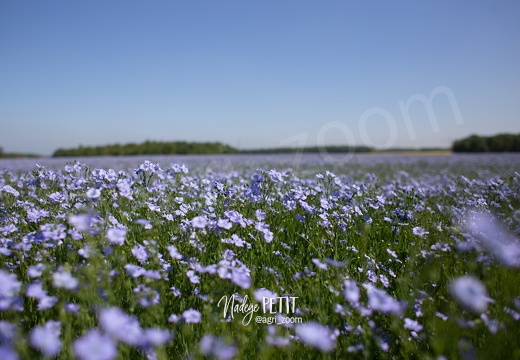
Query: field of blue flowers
(380, 257)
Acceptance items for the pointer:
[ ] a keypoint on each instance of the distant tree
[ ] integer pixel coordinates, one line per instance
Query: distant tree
(1, 151)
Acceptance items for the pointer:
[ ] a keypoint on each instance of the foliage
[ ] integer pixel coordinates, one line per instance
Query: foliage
(148, 148)
(497, 143)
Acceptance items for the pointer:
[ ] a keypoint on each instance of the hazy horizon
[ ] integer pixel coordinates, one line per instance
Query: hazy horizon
(257, 75)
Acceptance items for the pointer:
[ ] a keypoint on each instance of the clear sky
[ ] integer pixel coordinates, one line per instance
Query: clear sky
(257, 73)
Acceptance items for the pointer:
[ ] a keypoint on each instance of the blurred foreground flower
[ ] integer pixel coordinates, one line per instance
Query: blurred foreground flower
(316, 335)
(211, 345)
(46, 338)
(504, 246)
(121, 326)
(471, 293)
(95, 346)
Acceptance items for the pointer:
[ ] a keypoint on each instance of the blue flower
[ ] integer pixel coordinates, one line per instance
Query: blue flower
(93, 193)
(140, 253)
(81, 222)
(7, 332)
(157, 337)
(35, 271)
(174, 253)
(35, 290)
(8, 353)
(116, 236)
(471, 293)
(120, 326)
(379, 300)
(211, 345)
(64, 280)
(95, 346)
(46, 338)
(316, 335)
(191, 316)
(47, 302)
(199, 222)
(10, 190)
(9, 285)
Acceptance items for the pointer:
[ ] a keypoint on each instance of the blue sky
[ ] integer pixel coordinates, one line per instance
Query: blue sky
(255, 73)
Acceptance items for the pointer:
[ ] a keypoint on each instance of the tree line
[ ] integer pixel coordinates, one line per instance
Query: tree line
(15, 155)
(183, 147)
(497, 143)
(149, 148)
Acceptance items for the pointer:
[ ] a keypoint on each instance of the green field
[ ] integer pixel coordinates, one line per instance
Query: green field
(377, 258)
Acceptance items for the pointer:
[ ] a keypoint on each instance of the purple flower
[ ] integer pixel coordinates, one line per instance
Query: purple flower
(93, 193)
(260, 215)
(392, 253)
(34, 215)
(153, 207)
(7, 332)
(95, 346)
(470, 293)
(140, 253)
(10, 190)
(72, 308)
(8, 353)
(319, 264)
(495, 238)
(379, 300)
(412, 325)
(9, 229)
(274, 340)
(199, 222)
(80, 222)
(316, 335)
(147, 224)
(35, 290)
(47, 302)
(157, 337)
(57, 197)
(147, 297)
(84, 251)
(264, 229)
(191, 316)
(46, 338)
(134, 270)
(116, 236)
(120, 326)
(148, 166)
(174, 318)
(64, 280)
(211, 345)
(179, 168)
(175, 291)
(235, 217)
(262, 293)
(174, 253)
(194, 279)
(35, 271)
(125, 189)
(419, 231)
(351, 292)
(224, 224)
(237, 241)
(9, 285)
